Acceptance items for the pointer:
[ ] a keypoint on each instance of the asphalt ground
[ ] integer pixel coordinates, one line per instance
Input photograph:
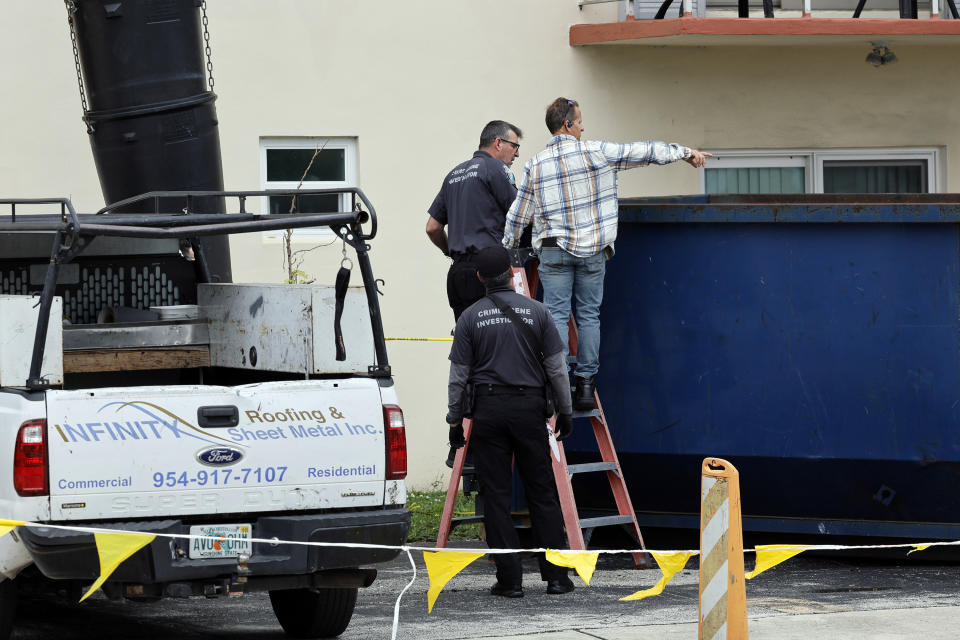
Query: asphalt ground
(838, 595)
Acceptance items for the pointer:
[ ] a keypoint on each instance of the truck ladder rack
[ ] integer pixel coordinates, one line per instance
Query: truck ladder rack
(175, 216)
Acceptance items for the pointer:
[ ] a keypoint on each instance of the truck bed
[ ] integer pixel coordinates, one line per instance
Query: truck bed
(136, 346)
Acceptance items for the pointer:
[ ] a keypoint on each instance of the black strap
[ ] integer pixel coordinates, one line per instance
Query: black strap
(340, 292)
(506, 310)
(549, 402)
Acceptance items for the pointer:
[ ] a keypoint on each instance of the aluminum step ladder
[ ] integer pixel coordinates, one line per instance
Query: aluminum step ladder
(562, 472)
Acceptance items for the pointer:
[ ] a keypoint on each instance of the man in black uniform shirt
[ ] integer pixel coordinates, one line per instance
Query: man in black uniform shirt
(472, 204)
(510, 368)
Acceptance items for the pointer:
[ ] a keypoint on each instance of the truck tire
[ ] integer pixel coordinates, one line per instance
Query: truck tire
(8, 607)
(314, 613)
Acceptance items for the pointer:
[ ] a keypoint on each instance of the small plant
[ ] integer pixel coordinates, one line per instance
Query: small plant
(426, 508)
(293, 260)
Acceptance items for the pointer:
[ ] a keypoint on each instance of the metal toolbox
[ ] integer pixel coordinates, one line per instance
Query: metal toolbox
(284, 327)
(18, 326)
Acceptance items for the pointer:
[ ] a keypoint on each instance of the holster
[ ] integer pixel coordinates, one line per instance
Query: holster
(468, 400)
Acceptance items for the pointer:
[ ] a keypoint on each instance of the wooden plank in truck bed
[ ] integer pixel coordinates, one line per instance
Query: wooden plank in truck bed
(88, 361)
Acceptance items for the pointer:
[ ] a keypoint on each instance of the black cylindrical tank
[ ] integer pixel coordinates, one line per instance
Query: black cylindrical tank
(153, 122)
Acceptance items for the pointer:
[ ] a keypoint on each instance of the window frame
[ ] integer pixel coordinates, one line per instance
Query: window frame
(812, 160)
(758, 159)
(350, 175)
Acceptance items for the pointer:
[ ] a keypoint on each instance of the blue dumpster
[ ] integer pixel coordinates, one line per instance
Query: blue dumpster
(813, 341)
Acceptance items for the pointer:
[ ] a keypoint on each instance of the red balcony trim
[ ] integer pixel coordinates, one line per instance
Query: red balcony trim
(581, 34)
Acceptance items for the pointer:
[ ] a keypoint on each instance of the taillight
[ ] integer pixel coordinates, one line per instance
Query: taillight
(30, 474)
(396, 442)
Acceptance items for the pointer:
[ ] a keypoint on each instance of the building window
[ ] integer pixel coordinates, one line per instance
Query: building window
(833, 171)
(756, 174)
(285, 163)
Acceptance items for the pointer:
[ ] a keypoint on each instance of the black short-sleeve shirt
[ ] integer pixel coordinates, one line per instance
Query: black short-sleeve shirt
(473, 202)
(495, 350)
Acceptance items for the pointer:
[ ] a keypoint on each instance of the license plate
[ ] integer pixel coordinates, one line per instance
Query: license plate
(222, 541)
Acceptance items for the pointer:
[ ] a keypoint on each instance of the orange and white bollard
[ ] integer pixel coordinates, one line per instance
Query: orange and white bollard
(723, 596)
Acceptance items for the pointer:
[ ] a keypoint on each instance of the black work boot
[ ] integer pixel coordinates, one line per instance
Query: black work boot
(506, 590)
(560, 585)
(583, 394)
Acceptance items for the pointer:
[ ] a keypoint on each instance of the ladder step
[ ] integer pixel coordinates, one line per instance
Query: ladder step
(587, 467)
(520, 520)
(590, 413)
(604, 521)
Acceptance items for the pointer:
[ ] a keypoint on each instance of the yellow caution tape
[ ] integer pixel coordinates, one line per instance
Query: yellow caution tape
(441, 567)
(584, 562)
(770, 555)
(113, 549)
(114, 546)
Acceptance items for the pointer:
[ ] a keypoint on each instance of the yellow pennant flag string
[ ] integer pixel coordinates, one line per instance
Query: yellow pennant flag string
(441, 567)
(770, 555)
(670, 564)
(919, 547)
(6, 526)
(584, 562)
(114, 548)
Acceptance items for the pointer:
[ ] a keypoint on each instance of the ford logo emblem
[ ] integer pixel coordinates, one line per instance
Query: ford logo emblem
(219, 456)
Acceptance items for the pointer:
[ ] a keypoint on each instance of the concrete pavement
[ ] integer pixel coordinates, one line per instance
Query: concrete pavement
(833, 596)
(824, 597)
(931, 623)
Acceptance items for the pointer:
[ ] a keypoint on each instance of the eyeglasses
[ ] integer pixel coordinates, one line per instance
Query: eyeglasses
(515, 146)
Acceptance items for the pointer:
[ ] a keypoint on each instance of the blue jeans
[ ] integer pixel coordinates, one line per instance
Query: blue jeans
(567, 278)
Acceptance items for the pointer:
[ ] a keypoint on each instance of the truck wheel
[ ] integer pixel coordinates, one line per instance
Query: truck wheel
(314, 613)
(8, 607)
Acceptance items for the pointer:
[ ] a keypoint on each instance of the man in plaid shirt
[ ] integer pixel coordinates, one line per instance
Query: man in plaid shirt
(569, 191)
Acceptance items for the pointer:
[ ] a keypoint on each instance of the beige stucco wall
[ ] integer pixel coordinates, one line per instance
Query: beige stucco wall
(415, 82)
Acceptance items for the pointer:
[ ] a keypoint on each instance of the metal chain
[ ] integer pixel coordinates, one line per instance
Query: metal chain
(206, 43)
(71, 12)
(71, 6)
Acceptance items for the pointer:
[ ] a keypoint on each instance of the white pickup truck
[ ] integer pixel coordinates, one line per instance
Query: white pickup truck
(249, 415)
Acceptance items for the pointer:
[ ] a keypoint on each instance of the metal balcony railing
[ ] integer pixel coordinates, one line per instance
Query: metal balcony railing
(659, 9)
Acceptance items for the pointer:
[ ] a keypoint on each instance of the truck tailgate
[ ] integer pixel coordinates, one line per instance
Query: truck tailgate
(144, 451)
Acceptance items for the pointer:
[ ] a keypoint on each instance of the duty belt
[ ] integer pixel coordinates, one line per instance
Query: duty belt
(505, 389)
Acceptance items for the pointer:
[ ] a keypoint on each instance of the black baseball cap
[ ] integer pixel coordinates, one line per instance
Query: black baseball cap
(492, 262)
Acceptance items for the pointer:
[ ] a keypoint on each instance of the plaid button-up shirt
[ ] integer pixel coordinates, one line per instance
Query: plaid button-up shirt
(569, 190)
